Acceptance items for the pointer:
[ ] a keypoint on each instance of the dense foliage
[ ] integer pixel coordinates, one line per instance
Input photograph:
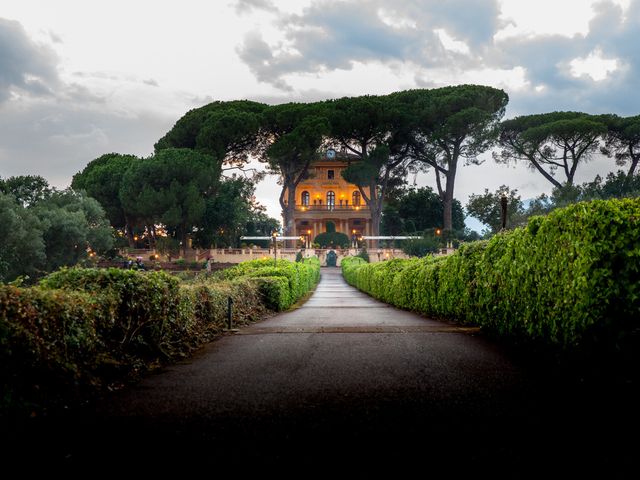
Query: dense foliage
(82, 330)
(571, 279)
(42, 229)
(487, 208)
(550, 142)
(282, 283)
(181, 190)
(411, 210)
(622, 140)
(420, 247)
(332, 240)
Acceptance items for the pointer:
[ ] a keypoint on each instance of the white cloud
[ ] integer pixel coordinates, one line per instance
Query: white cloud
(450, 43)
(394, 21)
(594, 65)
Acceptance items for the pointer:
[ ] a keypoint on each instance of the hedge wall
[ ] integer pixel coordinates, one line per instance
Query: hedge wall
(570, 279)
(82, 330)
(281, 285)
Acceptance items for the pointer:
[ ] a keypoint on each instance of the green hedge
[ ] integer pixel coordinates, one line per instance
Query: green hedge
(281, 285)
(570, 279)
(83, 330)
(332, 240)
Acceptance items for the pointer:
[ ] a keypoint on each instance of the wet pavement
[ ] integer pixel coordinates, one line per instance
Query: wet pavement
(345, 378)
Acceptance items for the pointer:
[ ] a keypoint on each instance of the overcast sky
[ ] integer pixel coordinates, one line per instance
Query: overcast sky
(79, 79)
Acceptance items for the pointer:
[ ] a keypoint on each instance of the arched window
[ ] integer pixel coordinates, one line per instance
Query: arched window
(331, 200)
(356, 198)
(305, 198)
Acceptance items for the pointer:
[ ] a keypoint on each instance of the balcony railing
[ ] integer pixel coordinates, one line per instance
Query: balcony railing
(325, 208)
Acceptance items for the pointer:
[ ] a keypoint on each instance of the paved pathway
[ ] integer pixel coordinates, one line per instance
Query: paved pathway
(346, 377)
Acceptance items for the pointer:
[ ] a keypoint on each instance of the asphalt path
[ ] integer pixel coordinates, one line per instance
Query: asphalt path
(347, 380)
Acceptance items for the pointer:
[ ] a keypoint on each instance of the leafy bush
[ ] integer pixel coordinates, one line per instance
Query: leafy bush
(300, 276)
(569, 280)
(420, 247)
(146, 304)
(275, 291)
(363, 254)
(82, 330)
(332, 239)
(49, 340)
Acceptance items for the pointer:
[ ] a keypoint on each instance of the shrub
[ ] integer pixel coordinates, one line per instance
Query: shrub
(300, 276)
(49, 337)
(332, 240)
(420, 247)
(147, 303)
(570, 280)
(86, 329)
(363, 254)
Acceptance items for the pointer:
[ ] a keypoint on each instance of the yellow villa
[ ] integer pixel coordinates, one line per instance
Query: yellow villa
(326, 197)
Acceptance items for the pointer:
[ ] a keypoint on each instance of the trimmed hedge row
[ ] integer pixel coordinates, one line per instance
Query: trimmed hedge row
(281, 285)
(87, 329)
(570, 279)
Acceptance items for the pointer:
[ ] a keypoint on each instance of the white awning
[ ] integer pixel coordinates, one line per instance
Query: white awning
(270, 238)
(390, 238)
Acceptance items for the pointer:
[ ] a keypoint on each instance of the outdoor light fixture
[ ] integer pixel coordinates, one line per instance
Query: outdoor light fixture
(274, 235)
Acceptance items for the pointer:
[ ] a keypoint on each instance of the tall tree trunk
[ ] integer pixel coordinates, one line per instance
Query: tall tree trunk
(447, 200)
(152, 236)
(545, 174)
(634, 164)
(448, 212)
(183, 240)
(376, 217)
(375, 209)
(129, 232)
(289, 227)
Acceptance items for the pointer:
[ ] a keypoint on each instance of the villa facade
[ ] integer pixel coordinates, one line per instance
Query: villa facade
(326, 197)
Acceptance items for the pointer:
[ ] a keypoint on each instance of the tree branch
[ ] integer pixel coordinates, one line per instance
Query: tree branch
(441, 192)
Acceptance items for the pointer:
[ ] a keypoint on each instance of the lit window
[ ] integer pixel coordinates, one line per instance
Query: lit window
(305, 198)
(356, 198)
(331, 199)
